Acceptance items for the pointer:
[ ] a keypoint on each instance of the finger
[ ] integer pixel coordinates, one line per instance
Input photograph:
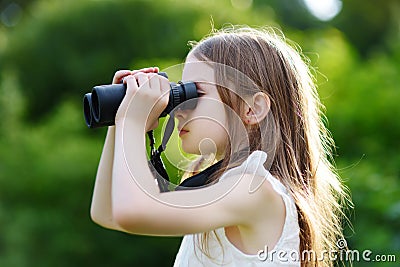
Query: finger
(154, 82)
(164, 88)
(146, 70)
(164, 84)
(142, 79)
(131, 85)
(119, 75)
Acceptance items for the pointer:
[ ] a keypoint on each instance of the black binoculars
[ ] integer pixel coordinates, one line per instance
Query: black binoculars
(101, 105)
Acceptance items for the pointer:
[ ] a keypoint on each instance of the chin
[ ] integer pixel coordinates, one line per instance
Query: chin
(189, 149)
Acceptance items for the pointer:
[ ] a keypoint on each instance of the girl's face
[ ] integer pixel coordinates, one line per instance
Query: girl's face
(203, 129)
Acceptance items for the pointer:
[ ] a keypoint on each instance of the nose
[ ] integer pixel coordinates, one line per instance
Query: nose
(180, 114)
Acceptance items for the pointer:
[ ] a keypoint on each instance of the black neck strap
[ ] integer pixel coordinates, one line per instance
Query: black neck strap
(200, 179)
(155, 154)
(161, 174)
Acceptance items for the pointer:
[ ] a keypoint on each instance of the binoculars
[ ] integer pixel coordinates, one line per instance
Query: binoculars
(101, 105)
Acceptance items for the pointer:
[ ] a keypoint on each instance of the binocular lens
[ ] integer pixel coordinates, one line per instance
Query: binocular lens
(88, 111)
(101, 105)
(87, 108)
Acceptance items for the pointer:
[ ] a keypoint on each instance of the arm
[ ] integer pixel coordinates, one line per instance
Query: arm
(100, 210)
(101, 207)
(138, 206)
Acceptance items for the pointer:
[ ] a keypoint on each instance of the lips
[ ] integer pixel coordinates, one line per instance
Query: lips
(182, 132)
(181, 128)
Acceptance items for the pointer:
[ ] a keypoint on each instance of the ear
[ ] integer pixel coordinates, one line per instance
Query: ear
(259, 107)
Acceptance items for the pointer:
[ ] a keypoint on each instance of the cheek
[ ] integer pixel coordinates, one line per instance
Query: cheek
(207, 126)
(210, 135)
(221, 138)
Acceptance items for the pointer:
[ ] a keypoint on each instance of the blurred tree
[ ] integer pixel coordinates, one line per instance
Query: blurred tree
(367, 24)
(22, 3)
(290, 13)
(84, 43)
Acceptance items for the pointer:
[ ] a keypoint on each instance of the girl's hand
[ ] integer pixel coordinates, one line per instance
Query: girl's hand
(146, 98)
(119, 75)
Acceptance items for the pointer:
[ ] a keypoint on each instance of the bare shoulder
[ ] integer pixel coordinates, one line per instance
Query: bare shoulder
(252, 195)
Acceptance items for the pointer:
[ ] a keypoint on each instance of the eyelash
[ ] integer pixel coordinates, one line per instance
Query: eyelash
(199, 91)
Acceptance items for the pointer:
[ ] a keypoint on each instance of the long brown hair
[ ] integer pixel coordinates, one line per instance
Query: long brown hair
(300, 145)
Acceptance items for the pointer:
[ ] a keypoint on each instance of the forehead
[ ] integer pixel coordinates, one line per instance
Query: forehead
(197, 71)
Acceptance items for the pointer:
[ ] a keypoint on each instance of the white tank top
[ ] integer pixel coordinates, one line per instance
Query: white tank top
(285, 253)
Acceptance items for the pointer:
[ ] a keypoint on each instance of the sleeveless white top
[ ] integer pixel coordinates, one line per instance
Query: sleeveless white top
(285, 253)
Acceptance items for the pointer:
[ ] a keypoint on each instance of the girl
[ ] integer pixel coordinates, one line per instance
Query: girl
(274, 195)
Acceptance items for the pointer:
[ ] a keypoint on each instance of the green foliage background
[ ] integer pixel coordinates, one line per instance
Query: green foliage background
(59, 49)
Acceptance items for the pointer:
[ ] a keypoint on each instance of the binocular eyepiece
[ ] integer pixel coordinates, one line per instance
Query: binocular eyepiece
(101, 105)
